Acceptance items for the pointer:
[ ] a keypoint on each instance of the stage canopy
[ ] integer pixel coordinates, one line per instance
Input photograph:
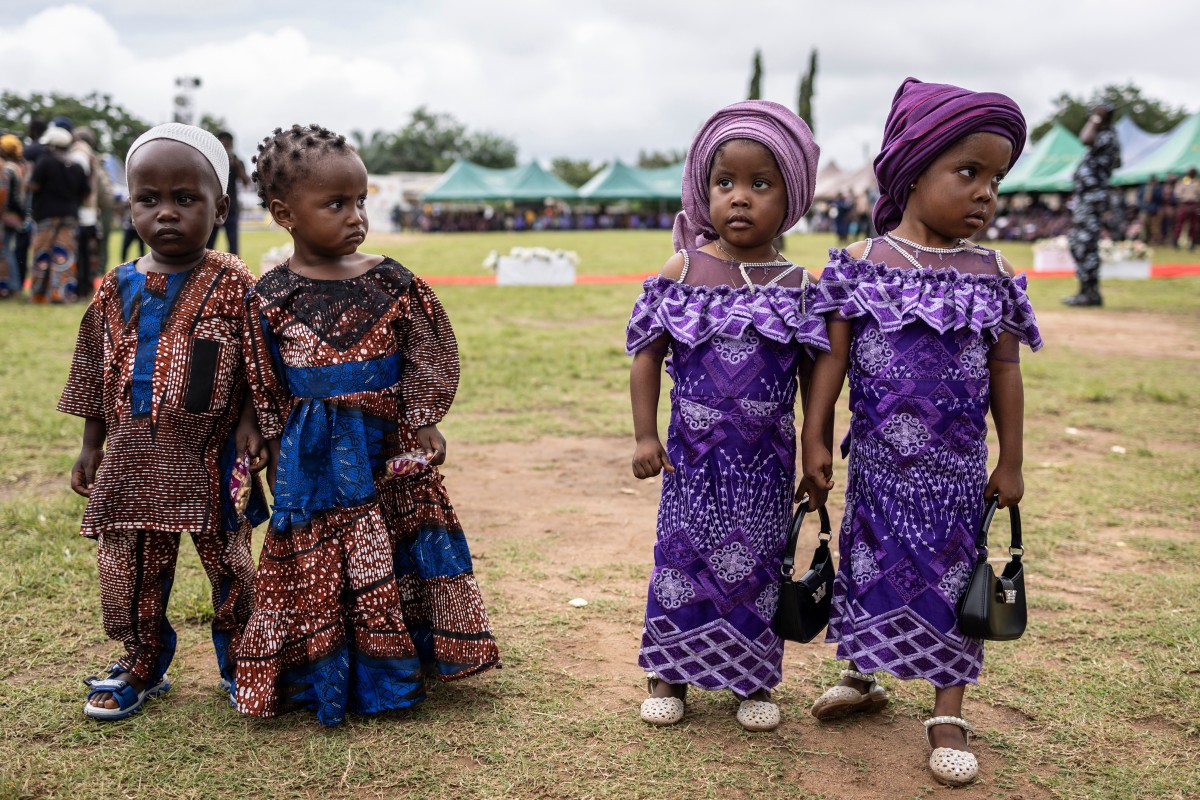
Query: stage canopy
(465, 182)
(1178, 152)
(1048, 166)
(619, 181)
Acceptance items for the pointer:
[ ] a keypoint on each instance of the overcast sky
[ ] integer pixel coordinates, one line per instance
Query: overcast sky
(593, 80)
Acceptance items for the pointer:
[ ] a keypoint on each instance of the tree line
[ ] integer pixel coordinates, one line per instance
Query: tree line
(431, 141)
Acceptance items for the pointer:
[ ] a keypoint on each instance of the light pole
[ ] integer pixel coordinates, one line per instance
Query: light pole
(185, 111)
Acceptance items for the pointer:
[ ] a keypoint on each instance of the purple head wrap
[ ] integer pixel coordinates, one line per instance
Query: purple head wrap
(770, 124)
(926, 118)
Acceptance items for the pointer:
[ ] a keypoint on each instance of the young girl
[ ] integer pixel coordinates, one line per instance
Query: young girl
(736, 318)
(365, 586)
(159, 377)
(927, 324)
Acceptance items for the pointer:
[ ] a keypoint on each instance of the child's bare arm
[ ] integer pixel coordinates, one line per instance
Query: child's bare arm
(1008, 413)
(645, 384)
(816, 438)
(83, 472)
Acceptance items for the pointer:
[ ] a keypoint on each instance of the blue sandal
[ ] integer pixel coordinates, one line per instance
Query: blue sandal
(129, 700)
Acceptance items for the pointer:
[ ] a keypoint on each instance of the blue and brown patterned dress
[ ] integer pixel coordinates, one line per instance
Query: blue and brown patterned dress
(365, 584)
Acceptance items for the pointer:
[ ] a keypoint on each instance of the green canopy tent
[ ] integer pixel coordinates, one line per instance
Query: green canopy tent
(667, 181)
(466, 182)
(1049, 166)
(531, 182)
(461, 183)
(1178, 153)
(617, 181)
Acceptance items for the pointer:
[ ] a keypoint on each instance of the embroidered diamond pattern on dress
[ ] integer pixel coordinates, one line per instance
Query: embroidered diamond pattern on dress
(733, 562)
(906, 433)
(906, 580)
(872, 352)
(672, 589)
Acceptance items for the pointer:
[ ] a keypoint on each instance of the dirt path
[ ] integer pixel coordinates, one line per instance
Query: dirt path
(1126, 334)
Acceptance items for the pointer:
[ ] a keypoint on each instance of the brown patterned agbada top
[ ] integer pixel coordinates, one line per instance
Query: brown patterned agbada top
(160, 357)
(314, 327)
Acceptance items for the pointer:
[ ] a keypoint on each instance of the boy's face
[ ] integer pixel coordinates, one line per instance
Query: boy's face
(175, 200)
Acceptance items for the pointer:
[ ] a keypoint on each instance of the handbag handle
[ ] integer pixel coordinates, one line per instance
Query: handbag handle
(1014, 524)
(789, 552)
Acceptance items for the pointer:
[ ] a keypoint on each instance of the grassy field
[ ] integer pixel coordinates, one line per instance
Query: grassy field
(1102, 691)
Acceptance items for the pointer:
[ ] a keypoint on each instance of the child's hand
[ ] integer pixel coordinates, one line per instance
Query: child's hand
(432, 443)
(816, 479)
(1006, 481)
(248, 439)
(650, 458)
(83, 472)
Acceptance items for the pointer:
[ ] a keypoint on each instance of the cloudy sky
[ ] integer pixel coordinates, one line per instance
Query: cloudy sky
(593, 80)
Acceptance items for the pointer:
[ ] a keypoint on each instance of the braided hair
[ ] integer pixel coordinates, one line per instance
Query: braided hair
(286, 156)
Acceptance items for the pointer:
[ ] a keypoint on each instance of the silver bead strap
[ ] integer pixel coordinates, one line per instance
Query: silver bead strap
(959, 721)
(858, 676)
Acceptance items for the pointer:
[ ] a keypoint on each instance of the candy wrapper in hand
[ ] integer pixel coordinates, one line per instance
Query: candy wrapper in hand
(406, 464)
(239, 482)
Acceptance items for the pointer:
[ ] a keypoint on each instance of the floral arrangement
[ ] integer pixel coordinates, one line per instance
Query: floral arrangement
(529, 253)
(276, 256)
(1126, 250)
(1110, 252)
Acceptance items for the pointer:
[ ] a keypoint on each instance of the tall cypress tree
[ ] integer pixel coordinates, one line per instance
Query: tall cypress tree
(804, 106)
(756, 77)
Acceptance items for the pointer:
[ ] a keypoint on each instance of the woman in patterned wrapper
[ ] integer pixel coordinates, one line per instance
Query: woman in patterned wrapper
(736, 319)
(366, 586)
(927, 324)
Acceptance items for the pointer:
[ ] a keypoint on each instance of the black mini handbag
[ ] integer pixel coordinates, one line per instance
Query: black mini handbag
(803, 609)
(993, 606)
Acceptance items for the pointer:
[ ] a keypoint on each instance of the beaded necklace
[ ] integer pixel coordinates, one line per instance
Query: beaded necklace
(962, 246)
(896, 241)
(778, 262)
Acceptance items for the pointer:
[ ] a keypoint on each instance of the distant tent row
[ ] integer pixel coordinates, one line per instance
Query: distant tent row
(466, 182)
(1049, 166)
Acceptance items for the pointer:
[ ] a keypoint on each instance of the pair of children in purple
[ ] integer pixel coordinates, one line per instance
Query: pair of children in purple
(926, 326)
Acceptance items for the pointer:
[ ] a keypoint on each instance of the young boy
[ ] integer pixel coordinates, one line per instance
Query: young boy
(159, 377)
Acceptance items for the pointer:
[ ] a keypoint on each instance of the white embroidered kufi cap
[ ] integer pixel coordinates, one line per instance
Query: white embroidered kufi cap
(209, 146)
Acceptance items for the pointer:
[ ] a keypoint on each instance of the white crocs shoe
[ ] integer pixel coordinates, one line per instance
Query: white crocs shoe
(840, 701)
(949, 766)
(758, 715)
(661, 710)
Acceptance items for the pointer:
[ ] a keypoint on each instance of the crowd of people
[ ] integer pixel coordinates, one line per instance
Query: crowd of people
(58, 210)
(1168, 210)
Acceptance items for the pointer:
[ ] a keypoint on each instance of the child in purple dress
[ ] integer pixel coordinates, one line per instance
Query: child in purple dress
(736, 318)
(927, 324)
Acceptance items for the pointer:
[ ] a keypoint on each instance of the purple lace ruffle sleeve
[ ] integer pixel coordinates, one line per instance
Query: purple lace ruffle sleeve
(945, 299)
(694, 314)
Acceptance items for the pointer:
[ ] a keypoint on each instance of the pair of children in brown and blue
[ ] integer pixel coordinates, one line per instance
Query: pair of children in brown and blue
(170, 359)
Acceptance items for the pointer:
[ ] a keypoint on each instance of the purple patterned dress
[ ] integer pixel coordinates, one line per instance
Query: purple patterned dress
(920, 344)
(724, 512)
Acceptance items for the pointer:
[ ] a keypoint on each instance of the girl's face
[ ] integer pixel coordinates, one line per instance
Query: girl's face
(326, 209)
(955, 197)
(747, 197)
(175, 200)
